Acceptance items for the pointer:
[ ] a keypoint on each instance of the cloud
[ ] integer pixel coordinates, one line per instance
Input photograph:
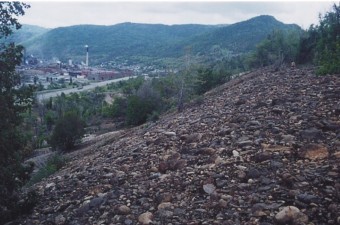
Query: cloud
(55, 14)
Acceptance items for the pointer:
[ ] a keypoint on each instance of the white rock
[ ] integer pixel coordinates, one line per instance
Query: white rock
(169, 133)
(145, 218)
(290, 215)
(236, 153)
(209, 188)
(123, 209)
(108, 175)
(164, 205)
(243, 168)
(50, 185)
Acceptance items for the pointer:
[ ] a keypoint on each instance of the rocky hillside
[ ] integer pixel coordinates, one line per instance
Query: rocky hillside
(262, 149)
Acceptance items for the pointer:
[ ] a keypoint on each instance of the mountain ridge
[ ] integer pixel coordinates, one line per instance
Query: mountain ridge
(152, 40)
(25, 32)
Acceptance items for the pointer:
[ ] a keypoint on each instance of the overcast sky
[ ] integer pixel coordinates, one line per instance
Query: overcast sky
(51, 14)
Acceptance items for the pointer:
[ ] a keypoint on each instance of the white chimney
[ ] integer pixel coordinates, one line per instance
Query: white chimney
(87, 55)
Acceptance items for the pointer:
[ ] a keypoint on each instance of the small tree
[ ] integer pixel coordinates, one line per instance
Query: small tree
(116, 109)
(68, 131)
(13, 102)
(207, 79)
(328, 44)
(279, 47)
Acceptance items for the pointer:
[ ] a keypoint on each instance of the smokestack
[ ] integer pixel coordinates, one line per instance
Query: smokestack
(87, 55)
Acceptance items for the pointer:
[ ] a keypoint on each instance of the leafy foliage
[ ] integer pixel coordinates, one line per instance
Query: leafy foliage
(53, 164)
(138, 110)
(68, 130)
(307, 46)
(279, 47)
(143, 100)
(13, 101)
(9, 11)
(116, 109)
(321, 44)
(328, 44)
(207, 79)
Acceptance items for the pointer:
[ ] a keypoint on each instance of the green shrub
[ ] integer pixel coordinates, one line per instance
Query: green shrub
(115, 110)
(207, 79)
(153, 117)
(53, 164)
(138, 110)
(67, 132)
(49, 119)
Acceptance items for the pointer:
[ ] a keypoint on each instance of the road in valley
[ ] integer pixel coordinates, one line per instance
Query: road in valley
(42, 95)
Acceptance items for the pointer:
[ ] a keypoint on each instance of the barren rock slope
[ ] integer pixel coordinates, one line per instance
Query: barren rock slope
(262, 142)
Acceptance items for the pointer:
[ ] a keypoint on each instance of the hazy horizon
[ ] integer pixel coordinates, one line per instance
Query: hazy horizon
(62, 14)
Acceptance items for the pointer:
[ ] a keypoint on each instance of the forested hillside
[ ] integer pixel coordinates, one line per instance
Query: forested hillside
(25, 33)
(241, 37)
(152, 40)
(106, 42)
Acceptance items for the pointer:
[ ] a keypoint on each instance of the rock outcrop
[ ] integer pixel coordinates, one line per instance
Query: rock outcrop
(261, 149)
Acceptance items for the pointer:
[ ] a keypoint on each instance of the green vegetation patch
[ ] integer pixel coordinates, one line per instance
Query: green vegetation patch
(53, 164)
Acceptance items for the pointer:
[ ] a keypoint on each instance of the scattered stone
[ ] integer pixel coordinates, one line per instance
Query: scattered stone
(254, 123)
(288, 139)
(95, 202)
(221, 183)
(60, 220)
(164, 205)
(209, 188)
(311, 134)
(236, 153)
(262, 156)
(245, 143)
(223, 203)
(337, 155)
(124, 210)
(50, 185)
(145, 218)
(195, 137)
(241, 102)
(306, 198)
(290, 215)
(170, 133)
(314, 151)
(253, 173)
(165, 213)
(213, 163)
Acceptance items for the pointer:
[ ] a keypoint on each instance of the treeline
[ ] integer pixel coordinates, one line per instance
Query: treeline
(319, 45)
(144, 100)
(61, 122)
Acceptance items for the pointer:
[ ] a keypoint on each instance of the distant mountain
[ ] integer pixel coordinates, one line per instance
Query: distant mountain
(105, 42)
(25, 33)
(150, 40)
(241, 37)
